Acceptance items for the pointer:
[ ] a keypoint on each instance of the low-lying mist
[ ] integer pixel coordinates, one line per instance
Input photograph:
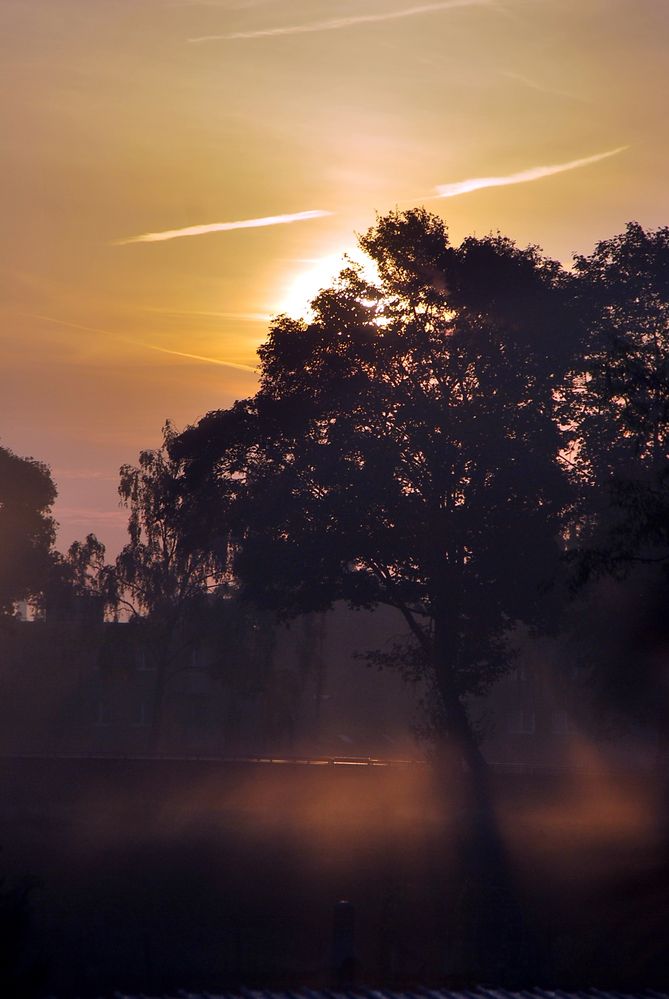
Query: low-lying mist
(194, 874)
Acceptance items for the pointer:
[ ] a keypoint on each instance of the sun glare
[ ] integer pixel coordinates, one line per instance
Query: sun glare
(302, 287)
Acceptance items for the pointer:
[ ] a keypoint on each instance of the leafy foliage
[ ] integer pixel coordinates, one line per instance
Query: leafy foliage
(620, 414)
(166, 577)
(402, 447)
(163, 567)
(27, 528)
(620, 402)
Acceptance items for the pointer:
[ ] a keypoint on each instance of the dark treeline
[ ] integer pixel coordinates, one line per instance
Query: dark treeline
(473, 435)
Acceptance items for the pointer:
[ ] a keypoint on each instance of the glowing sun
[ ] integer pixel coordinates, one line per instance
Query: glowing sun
(296, 297)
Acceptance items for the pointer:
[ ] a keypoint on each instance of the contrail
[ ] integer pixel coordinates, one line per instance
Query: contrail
(139, 343)
(526, 81)
(198, 357)
(534, 173)
(201, 230)
(337, 23)
(241, 4)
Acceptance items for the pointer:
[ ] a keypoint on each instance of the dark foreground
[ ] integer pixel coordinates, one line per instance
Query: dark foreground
(150, 876)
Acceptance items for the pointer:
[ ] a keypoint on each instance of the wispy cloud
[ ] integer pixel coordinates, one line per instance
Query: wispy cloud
(199, 357)
(228, 4)
(202, 230)
(531, 84)
(523, 177)
(141, 343)
(338, 23)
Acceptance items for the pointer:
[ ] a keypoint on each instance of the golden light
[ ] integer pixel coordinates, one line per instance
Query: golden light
(301, 289)
(320, 272)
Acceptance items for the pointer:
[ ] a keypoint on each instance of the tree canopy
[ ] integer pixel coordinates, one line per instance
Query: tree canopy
(402, 447)
(164, 566)
(619, 412)
(619, 406)
(27, 529)
(166, 576)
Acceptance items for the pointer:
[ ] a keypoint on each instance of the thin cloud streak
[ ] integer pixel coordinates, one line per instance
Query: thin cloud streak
(240, 5)
(338, 23)
(523, 177)
(141, 343)
(200, 357)
(526, 81)
(202, 230)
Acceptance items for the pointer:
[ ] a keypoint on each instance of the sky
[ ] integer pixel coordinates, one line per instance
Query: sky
(175, 172)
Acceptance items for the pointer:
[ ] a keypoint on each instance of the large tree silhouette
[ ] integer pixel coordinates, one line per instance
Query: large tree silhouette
(402, 450)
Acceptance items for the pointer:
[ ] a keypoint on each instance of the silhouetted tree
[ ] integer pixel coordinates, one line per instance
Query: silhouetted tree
(89, 572)
(164, 574)
(402, 450)
(27, 529)
(619, 410)
(619, 398)
(82, 579)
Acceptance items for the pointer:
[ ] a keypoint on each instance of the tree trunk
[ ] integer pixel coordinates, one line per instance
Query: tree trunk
(489, 935)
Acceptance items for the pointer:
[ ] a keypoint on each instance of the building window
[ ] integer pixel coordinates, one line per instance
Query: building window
(522, 722)
(102, 714)
(562, 723)
(197, 658)
(141, 715)
(144, 664)
(194, 712)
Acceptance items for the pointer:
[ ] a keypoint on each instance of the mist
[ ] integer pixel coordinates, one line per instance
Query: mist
(199, 867)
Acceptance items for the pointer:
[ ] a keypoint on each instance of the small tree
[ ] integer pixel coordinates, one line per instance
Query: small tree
(164, 575)
(83, 574)
(27, 529)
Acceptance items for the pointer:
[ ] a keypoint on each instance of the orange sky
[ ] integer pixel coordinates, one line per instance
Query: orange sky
(122, 118)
